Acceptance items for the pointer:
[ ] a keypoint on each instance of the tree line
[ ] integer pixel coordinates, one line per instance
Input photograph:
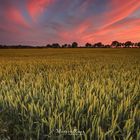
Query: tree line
(114, 44)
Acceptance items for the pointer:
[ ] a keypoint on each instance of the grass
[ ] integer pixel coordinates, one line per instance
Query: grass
(95, 91)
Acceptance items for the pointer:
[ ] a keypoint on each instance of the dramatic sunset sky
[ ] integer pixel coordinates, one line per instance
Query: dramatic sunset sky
(39, 22)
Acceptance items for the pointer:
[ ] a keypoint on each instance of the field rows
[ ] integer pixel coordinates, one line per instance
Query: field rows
(96, 93)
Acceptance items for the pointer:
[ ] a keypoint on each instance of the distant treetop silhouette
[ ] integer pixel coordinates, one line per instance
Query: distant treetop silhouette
(114, 44)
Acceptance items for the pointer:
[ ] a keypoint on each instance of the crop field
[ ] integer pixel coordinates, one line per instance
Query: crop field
(70, 94)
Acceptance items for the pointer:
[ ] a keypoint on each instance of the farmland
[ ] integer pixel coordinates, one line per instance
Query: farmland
(94, 91)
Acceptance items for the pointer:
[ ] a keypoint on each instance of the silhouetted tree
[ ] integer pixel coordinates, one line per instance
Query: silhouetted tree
(69, 45)
(122, 44)
(64, 46)
(74, 45)
(138, 44)
(48, 46)
(128, 44)
(116, 44)
(55, 45)
(98, 45)
(107, 46)
(88, 45)
(133, 44)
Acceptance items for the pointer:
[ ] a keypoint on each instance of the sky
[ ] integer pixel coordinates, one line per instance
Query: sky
(41, 22)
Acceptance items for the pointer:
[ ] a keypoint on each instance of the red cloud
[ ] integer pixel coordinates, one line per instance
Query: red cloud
(120, 10)
(123, 31)
(114, 23)
(110, 30)
(15, 16)
(76, 33)
(122, 35)
(35, 7)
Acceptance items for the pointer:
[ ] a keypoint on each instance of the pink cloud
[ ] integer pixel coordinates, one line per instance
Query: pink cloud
(126, 30)
(16, 17)
(72, 21)
(110, 30)
(120, 10)
(36, 7)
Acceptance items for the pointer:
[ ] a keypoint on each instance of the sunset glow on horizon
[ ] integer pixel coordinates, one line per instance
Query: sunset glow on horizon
(40, 22)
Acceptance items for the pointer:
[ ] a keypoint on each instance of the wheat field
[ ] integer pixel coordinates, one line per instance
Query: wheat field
(92, 92)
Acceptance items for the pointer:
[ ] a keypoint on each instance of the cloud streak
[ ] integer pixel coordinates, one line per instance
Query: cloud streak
(37, 7)
(38, 22)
